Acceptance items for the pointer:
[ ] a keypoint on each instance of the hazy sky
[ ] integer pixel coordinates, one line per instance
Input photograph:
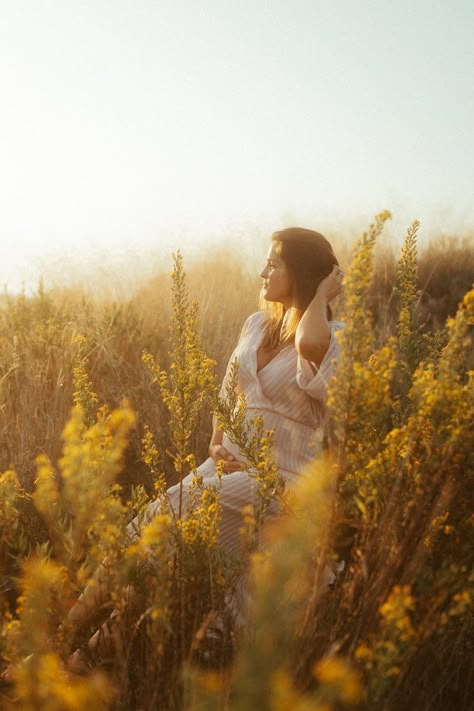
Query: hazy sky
(130, 124)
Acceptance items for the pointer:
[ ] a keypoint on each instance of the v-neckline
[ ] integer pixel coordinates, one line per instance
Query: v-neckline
(259, 370)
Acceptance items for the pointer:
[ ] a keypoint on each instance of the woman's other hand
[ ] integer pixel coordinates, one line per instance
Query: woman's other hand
(331, 285)
(220, 453)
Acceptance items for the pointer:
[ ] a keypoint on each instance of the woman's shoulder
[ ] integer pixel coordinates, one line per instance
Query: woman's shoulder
(257, 317)
(253, 321)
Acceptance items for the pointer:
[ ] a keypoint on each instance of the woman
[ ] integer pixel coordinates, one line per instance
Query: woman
(286, 355)
(287, 350)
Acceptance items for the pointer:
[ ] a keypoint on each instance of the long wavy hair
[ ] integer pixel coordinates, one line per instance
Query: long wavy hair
(309, 258)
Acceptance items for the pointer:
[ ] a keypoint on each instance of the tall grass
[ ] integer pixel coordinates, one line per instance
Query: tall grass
(390, 502)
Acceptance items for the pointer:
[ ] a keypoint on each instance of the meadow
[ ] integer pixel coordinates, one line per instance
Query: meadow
(104, 403)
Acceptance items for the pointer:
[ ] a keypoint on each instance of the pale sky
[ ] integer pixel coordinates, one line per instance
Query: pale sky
(127, 126)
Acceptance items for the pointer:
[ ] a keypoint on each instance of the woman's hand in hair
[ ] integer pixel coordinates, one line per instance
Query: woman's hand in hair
(220, 453)
(331, 286)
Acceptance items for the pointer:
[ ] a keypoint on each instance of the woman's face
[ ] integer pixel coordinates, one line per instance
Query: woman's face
(277, 283)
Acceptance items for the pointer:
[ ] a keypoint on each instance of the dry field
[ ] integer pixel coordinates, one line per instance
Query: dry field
(390, 495)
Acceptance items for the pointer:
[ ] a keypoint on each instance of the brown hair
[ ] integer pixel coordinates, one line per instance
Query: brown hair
(309, 258)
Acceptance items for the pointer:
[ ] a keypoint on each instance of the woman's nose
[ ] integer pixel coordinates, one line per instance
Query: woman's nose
(263, 273)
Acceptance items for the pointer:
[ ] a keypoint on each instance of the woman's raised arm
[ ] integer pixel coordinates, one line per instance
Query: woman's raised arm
(313, 333)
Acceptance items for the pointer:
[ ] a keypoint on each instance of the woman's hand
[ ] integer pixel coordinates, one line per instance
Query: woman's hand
(331, 285)
(220, 453)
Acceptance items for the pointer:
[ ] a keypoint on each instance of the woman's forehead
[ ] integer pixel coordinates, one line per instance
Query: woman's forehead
(273, 252)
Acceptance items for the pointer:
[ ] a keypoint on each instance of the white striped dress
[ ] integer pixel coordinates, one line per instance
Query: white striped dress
(289, 394)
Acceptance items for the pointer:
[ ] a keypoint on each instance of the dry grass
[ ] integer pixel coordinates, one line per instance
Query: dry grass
(38, 354)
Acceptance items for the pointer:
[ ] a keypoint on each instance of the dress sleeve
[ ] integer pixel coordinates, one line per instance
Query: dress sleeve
(314, 380)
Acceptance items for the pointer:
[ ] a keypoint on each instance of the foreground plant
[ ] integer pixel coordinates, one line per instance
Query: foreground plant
(395, 509)
(404, 516)
(190, 383)
(291, 574)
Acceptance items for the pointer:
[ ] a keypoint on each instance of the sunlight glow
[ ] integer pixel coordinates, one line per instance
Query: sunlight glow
(136, 125)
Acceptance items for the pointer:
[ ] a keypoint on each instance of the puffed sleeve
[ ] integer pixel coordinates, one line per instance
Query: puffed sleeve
(314, 380)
